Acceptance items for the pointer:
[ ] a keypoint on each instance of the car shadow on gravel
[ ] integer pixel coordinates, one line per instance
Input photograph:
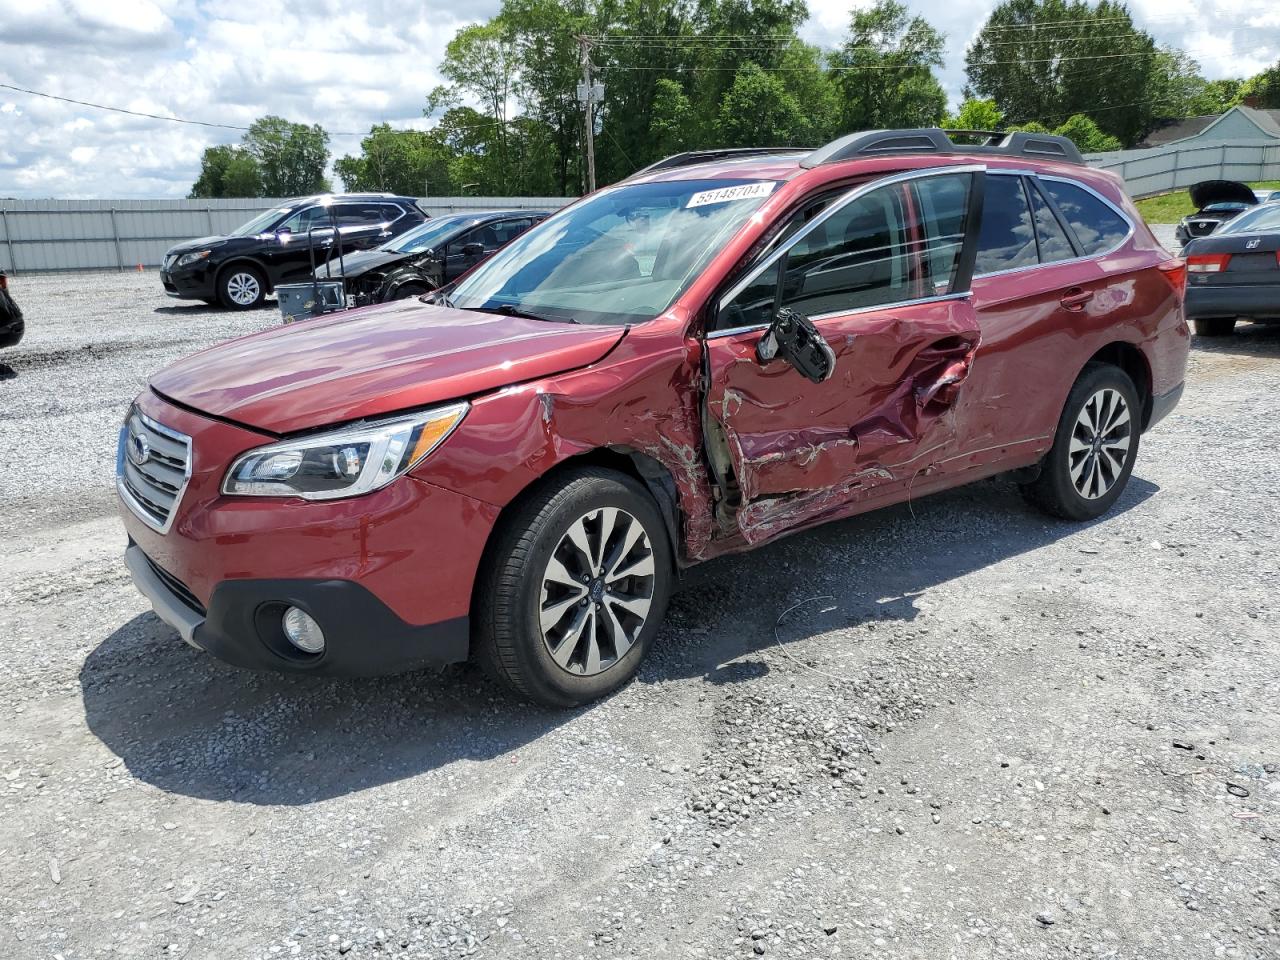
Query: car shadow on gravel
(186, 723)
(1248, 340)
(193, 308)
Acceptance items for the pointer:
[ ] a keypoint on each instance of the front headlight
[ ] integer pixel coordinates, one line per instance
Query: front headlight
(342, 463)
(187, 258)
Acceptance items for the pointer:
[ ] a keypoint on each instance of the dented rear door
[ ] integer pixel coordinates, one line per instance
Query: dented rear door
(883, 274)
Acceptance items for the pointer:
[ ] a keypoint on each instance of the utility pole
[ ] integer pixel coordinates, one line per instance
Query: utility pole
(589, 93)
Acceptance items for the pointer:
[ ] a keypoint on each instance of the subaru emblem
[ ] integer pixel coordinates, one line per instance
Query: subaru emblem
(139, 449)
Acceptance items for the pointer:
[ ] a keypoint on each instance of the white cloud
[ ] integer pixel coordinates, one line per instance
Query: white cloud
(346, 67)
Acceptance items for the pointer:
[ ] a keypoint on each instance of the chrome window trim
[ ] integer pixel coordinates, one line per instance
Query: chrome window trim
(130, 501)
(818, 318)
(853, 194)
(1057, 263)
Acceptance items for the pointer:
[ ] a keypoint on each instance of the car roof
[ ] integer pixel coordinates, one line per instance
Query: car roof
(341, 197)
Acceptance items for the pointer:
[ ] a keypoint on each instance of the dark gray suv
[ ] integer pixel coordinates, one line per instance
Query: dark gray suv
(278, 246)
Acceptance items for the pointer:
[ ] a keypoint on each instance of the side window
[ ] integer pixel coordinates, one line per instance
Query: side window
(1054, 243)
(864, 254)
(358, 214)
(1007, 238)
(506, 230)
(473, 235)
(941, 204)
(388, 212)
(855, 258)
(307, 218)
(1096, 225)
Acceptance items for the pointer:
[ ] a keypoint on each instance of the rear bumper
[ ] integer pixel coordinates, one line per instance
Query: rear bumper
(241, 626)
(1257, 301)
(1162, 405)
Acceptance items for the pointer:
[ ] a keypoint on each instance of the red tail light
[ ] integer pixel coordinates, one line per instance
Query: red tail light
(1208, 262)
(4, 282)
(1175, 271)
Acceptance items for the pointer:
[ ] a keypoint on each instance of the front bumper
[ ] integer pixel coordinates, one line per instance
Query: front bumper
(1254, 301)
(242, 624)
(388, 575)
(190, 284)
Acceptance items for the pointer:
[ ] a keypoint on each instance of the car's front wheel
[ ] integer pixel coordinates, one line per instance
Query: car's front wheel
(409, 290)
(1094, 448)
(574, 588)
(1214, 326)
(241, 287)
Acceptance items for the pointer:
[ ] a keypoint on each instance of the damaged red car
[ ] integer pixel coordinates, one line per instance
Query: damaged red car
(723, 349)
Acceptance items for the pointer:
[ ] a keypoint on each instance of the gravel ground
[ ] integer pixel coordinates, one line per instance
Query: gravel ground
(950, 729)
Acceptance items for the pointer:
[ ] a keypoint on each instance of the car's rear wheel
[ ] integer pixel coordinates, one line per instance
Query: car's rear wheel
(1214, 326)
(241, 287)
(1094, 448)
(574, 588)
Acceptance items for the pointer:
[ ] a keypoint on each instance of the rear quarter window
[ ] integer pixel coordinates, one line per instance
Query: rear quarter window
(1096, 224)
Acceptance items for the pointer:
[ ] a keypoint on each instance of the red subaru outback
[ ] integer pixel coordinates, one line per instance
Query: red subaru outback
(725, 348)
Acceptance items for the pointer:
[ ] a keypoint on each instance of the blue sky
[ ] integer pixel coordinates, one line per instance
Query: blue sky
(346, 66)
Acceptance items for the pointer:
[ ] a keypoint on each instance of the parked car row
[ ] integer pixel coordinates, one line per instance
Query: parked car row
(386, 246)
(725, 348)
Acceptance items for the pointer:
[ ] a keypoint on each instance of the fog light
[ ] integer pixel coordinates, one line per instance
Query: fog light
(302, 631)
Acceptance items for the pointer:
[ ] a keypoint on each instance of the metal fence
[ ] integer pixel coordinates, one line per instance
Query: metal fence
(47, 235)
(1176, 165)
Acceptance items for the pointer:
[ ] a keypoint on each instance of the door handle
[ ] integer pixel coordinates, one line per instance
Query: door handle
(1075, 299)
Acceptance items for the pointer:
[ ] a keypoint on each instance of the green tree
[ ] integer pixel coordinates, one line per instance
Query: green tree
(1047, 60)
(291, 156)
(885, 70)
(758, 111)
(482, 60)
(1263, 90)
(410, 162)
(1218, 96)
(1082, 131)
(671, 121)
(977, 115)
(227, 171)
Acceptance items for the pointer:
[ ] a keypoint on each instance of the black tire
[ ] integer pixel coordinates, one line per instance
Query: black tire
(508, 636)
(1214, 326)
(1056, 490)
(409, 290)
(241, 286)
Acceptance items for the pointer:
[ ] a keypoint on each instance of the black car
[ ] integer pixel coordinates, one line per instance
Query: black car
(428, 256)
(1235, 274)
(11, 324)
(241, 268)
(1216, 202)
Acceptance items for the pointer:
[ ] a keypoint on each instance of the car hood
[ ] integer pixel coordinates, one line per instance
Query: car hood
(199, 243)
(360, 262)
(1220, 191)
(375, 361)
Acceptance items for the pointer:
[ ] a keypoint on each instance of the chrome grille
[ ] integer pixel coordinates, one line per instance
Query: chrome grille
(153, 464)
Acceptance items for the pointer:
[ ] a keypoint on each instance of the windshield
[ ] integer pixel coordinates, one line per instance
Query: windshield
(1224, 207)
(427, 236)
(621, 256)
(259, 224)
(1255, 221)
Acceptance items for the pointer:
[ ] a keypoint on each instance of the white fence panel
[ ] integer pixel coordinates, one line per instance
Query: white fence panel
(1175, 166)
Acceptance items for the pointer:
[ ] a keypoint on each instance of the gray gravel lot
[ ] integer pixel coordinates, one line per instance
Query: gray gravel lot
(974, 732)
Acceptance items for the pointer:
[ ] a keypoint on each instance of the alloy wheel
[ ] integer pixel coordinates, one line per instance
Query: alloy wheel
(1100, 442)
(243, 289)
(596, 591)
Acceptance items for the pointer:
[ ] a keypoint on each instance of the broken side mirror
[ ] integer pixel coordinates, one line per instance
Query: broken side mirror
(793, 337)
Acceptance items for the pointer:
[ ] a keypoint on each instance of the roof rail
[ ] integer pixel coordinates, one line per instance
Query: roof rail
(879, 143)
(725, 153)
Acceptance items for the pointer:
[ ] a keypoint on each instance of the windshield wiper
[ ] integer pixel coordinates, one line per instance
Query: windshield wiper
(508, 310)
